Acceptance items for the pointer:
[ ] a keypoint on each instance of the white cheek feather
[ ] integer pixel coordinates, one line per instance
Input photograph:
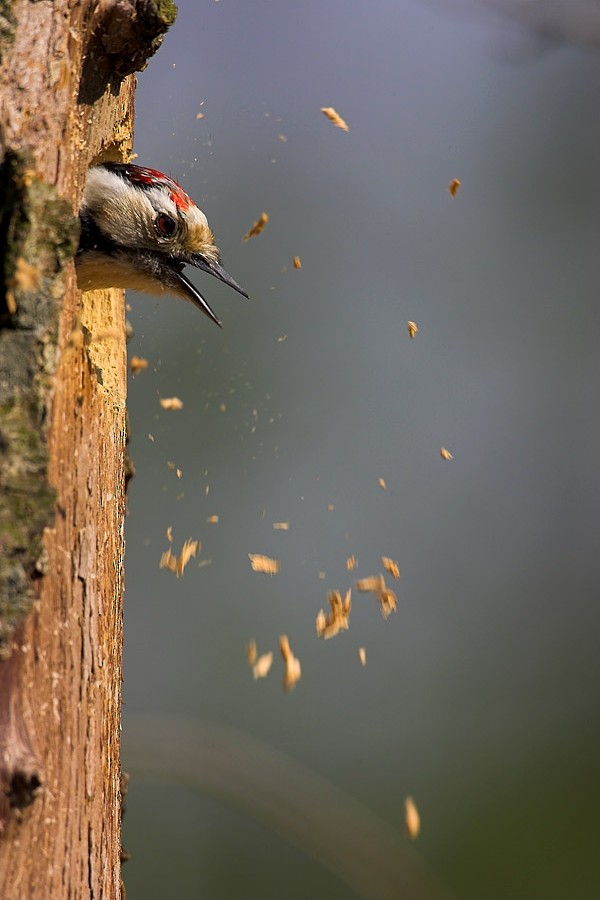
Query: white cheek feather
(123, 211)
(198, 218)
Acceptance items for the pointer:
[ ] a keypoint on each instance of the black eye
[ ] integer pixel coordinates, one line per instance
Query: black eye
(165, 225)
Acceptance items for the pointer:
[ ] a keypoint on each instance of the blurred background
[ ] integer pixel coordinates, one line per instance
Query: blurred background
(479, 697)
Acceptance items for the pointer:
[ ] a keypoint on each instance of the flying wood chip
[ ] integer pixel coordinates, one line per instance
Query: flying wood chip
(412, 819)
(171, 403)
(387, 602)
(297, 262)
(337, 619)
(376, 585)
(372, 583)
(445, 454)
(334, 117)
(168, 561)
(260, 665)
(362, 655)
(177, 564)
(188, 551)
(412, 329)
(391, 566)
(252, 652)
(264, 564)
(293, 670)
(257, 227)
(453, 187)
(137, 364)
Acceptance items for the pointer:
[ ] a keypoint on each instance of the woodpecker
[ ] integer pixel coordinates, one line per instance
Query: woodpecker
(138, 230)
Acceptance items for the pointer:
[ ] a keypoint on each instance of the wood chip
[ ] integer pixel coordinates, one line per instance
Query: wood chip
(387, 602)
(381, 483)
(257, 227)
(264, 564)
(372, 583)
(412, 328)
(168, 561)
(297, 262)
(177, 564)
(334, 117)
(362, 655)
(199, 115)
(213, 520)
(391, 566)
(260, 665)
(171, 403)
(137, 364)
(293, 670)
(445, 454)
(281, 526)
(453, 187)
(170, 534)
(376, 585)
(188, 551)
(337, 619)
(412, 819)
(351, 563)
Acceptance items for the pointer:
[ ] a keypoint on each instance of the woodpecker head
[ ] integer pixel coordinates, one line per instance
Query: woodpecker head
(138, 230)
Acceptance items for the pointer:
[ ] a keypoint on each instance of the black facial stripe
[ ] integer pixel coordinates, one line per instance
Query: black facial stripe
(93, 238)
(121, 169)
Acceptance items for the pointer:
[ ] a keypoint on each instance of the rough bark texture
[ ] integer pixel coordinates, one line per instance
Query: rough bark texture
(66, 100)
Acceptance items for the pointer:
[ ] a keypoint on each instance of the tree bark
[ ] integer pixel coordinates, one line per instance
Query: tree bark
(66, 101)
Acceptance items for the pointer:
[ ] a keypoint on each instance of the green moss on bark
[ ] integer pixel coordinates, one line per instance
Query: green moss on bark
(38, 235)
(7, 26)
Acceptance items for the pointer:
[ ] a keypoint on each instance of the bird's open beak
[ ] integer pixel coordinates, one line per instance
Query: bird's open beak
(213, 268)
(190, 291)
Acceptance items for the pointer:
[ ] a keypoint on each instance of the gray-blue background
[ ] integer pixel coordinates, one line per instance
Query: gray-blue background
(480, 696)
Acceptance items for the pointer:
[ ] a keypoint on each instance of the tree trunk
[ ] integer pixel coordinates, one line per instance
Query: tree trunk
(66, 101)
